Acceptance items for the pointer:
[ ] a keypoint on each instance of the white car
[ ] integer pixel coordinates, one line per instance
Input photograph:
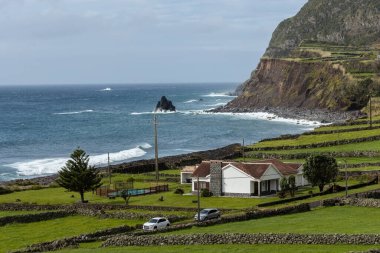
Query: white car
(156, 224)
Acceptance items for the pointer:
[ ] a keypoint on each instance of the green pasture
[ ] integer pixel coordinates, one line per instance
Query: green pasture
(242, 248)
(369, 168)
(336, 128)
(312, 139)
(343, 220)
(15, 236)
(361, 146)
(12, 213)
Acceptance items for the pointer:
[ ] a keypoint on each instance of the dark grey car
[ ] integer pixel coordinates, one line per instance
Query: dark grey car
(208, 214)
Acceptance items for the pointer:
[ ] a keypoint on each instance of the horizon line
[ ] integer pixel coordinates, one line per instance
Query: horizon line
(127, 83)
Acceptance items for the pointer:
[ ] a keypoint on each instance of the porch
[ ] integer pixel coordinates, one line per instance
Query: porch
(265, 187)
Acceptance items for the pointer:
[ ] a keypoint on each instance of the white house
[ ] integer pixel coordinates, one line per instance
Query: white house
(186, 174)
(245, 179)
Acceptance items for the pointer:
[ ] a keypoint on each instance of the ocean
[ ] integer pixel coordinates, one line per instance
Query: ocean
(41, 125)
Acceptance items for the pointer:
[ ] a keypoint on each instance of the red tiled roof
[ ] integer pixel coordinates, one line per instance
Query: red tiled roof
(256, 169)
(253, 169)
(284, 168)
(203, 170)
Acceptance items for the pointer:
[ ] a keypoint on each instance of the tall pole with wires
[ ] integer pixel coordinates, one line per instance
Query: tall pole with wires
(155, 147)
(243, 151)
(109, 167)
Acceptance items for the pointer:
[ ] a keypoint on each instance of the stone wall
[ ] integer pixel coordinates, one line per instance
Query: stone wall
(27, 218)
(74, 241)
(270, 238)
(362, 202)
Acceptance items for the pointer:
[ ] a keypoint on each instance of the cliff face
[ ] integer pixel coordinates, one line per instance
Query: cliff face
(345, 22)
(325, 57)
(282, 83)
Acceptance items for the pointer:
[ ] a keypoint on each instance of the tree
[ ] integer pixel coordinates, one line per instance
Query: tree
(77, 175)
(292, 185)
(284, 187)
(125, 195)
(320, 170)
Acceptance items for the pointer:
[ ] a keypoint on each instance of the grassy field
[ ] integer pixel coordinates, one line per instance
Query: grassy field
(362, 146)
(16, 236)
(12, 213)
(334, 128)
(345, 220)
(309, 139)
(228, 249)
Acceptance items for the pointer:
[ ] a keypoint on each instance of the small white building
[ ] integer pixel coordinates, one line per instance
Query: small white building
(186, 174)
(245, 179)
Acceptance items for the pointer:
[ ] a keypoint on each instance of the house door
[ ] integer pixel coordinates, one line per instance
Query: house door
(256, 188)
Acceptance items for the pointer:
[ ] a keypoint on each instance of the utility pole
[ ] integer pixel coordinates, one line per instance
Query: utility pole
(345, 172)
(198, 201)
(243, 152)
(370, 111)
(155, 148)
(109, 167)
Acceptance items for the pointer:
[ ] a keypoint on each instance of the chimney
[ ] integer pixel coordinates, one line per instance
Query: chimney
(216, 178)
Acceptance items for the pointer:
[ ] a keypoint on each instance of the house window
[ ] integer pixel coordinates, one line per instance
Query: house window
(202, 185)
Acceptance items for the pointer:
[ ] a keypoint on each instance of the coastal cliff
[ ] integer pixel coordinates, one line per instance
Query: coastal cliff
(325, 58)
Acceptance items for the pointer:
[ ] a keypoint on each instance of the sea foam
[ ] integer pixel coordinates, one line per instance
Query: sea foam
(190, 101)
(214, 94)
(74, 112)
(53, 165)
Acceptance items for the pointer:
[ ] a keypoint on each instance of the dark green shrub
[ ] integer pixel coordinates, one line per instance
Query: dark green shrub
(281, 194)
(5, 191)
(179, 191)
(206, 193)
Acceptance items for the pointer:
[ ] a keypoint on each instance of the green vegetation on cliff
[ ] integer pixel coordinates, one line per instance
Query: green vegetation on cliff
(325, 57)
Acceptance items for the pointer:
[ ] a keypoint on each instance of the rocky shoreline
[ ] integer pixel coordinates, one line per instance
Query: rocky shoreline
(319, 115)
(227, 152)
(141, 166)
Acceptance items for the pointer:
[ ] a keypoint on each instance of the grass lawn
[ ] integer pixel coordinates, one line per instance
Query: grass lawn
(14, 236)
(346, 219)
(60, 196)
(228, 249)
(361, 146)
(50, 196)
(12, 213)
(308, 139)
(328, 196)
(369, 168)
(333, 128)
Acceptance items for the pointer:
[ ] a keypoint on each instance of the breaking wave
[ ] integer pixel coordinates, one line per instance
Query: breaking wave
(190, 101)
(75, 112)
(214, 94)
(53, 165)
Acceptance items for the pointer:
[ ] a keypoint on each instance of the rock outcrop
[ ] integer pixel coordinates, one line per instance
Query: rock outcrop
(165, 105)
(325, 58)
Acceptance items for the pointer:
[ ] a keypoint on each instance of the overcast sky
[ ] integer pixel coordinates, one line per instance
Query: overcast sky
(135, 41)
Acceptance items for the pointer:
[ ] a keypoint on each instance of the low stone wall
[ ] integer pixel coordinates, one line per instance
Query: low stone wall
(362, 202)
(27, 207)
(74, 241)
(89, 206)
(249, 215)
(27, 218)
(141, 216)
(270, 238)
